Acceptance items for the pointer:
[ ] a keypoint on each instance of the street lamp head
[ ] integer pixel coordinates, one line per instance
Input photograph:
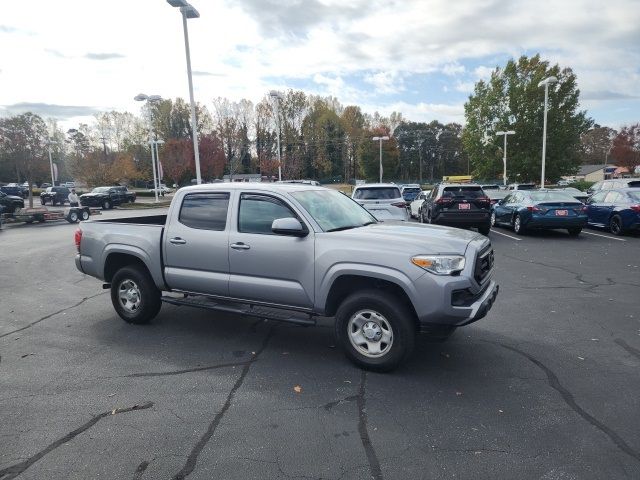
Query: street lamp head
(178, 3)
(155, 98)
(141, 97)
(375, 139)
(160, 142)
(189, 11)
(548, 81)
(275, 94)
(385, 138)
(510, 132)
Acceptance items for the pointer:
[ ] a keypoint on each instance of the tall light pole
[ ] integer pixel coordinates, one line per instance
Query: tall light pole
(606, 157)
(504, 156)
(277, 96)
(160, 171)
(545, 83)
(380, 139)
(188, 11)
(49, 143)
(141, 97)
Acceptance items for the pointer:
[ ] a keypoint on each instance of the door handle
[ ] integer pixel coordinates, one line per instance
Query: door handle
(240, 246)
(177, 241)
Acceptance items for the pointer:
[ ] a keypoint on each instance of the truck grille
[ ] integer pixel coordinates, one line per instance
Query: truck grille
(484, 264)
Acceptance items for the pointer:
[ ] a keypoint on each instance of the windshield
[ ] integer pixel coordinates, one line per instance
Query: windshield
(100, 190)
(377, 193)
(551, 197)
(333, 210)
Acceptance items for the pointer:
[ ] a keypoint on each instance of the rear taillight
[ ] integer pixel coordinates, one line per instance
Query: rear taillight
(399, 205)
(581, 209)
(635, 208)
(536, 209)
(78, 238)
(483, 200)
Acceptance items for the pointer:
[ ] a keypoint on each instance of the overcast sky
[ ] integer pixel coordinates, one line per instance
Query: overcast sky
(69, 59)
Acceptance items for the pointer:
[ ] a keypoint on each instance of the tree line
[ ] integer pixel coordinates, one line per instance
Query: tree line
(324, 140)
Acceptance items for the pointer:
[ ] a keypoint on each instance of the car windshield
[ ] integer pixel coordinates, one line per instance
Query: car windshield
(377, 193)
(551, 197)
(100, 190)
(333, 210)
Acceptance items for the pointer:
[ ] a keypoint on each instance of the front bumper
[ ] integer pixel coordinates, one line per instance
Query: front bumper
(435, 306)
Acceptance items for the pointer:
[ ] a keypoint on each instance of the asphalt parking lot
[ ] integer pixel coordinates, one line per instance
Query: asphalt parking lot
(545, 387)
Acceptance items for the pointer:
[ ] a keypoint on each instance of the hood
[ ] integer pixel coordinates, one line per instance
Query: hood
(417, 238)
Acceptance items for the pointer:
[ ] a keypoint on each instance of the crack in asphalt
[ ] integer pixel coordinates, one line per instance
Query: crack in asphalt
(567, 396)
(52, 315)
(577, 276)
(633, 351)
(330, 405)
(137, 475)
(192, 459)
(189, 370)
(17, 469)
(372, 457)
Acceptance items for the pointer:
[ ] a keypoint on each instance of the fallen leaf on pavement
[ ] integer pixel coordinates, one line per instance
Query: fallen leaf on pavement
(297, 389)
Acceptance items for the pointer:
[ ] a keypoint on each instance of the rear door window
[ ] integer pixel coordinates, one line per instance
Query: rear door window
(206, 211)
(598, 197)
(613, 197)
(377, 193)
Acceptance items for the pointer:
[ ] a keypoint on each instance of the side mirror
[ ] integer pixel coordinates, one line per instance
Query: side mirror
(289, 226)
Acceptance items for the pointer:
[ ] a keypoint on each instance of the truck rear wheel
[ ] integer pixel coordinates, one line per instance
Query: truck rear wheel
(134, 295)
(376, 330)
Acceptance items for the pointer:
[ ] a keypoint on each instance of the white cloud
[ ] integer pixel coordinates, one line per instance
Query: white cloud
(251, 46)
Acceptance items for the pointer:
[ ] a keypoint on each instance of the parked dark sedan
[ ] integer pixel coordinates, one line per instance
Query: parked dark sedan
(55, 195)
(105, 197)
(617, 210)
(10, 203)
(15, 191)
(540, 209)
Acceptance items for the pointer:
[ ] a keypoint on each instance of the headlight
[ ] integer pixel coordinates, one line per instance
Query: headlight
(440, 264)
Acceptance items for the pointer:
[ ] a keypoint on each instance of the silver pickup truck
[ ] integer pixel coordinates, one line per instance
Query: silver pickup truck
(291, 253)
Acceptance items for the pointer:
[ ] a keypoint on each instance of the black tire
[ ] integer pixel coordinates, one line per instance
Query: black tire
(72, 217)
(106, 205)
(485, 229)
(84, 215)
(615, 225)
(43, 201)
(147, 293)
(574, 232)
(517, 225)
(393, 313)
(53, 202)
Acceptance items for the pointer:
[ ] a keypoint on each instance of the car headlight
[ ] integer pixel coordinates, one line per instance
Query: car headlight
(440, 264)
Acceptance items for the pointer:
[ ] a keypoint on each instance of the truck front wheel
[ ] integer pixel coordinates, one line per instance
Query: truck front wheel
(376, 330)
(134, 295)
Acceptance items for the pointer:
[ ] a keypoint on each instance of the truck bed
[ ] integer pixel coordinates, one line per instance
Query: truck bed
(148, 220)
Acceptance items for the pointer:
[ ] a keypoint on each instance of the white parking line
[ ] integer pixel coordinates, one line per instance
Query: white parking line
(505, 235)
(604, 236)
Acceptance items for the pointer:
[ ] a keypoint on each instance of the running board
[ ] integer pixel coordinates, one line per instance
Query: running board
(243, 309)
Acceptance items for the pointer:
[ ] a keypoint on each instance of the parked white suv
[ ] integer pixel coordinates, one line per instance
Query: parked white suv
(383, 200)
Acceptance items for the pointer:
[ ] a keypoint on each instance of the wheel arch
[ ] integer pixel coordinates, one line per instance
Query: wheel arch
(345, 284)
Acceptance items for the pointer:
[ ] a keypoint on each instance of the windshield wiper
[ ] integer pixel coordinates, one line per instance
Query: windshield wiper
(346, 227)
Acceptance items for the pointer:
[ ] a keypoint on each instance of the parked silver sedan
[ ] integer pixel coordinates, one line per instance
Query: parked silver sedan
(383, 200)
(414, 207)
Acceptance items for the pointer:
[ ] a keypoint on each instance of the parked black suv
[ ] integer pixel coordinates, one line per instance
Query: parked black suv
(458, 205)
(55, 196)
(10, 203)
(105, 197)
